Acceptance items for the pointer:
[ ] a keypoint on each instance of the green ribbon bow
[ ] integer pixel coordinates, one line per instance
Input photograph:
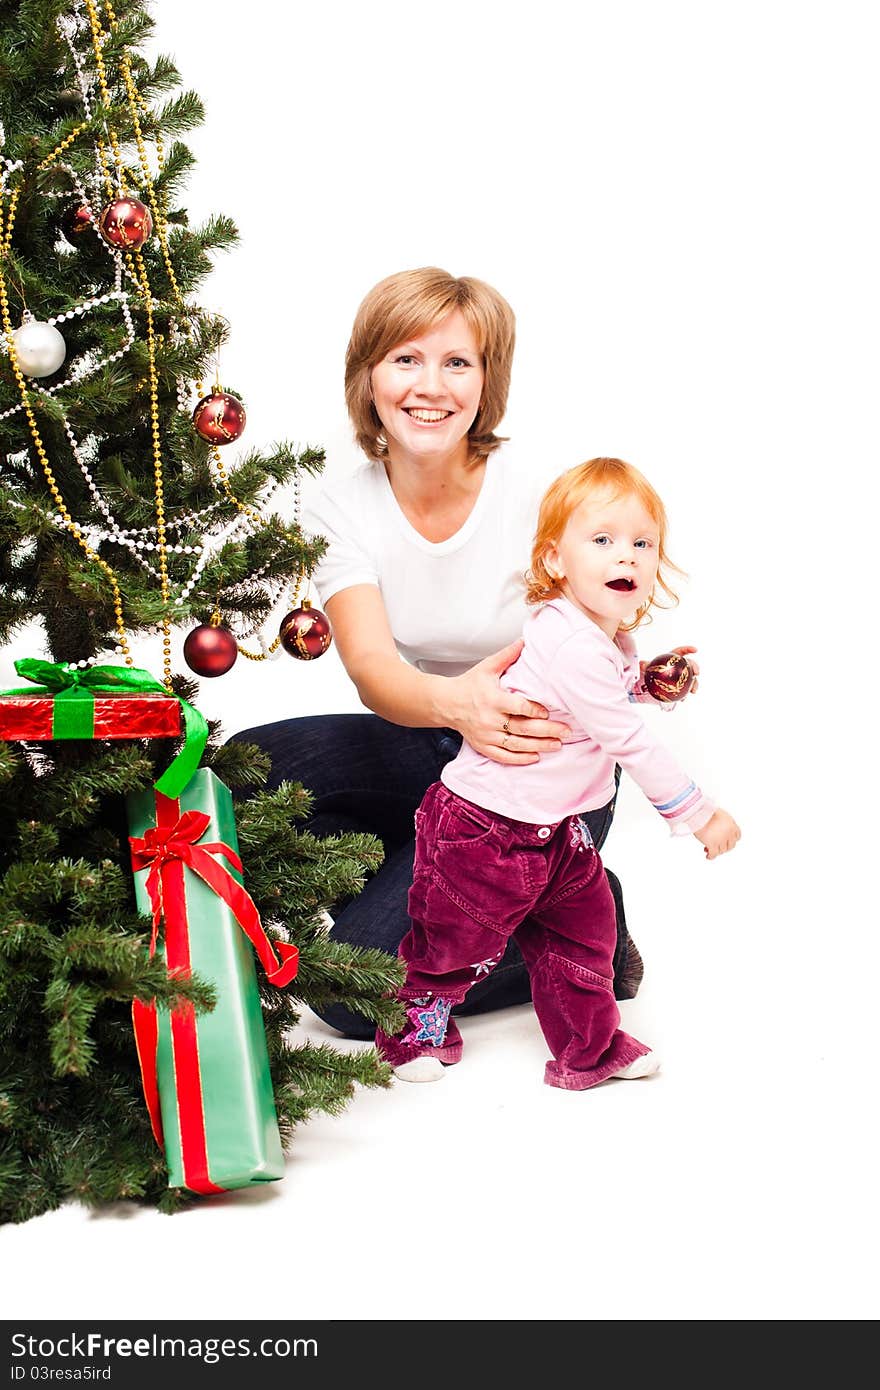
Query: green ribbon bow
(73, 714)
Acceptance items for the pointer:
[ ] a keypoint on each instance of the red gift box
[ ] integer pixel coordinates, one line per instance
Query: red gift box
(116, 716)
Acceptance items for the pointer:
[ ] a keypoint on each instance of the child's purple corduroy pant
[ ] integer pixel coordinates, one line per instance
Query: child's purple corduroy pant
(480, 878)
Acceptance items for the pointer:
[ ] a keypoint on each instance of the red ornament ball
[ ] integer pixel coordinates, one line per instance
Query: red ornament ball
(74, 221)
(305, 632)
(209, 650)
(669, 677)
(219, 418)
(126, 224)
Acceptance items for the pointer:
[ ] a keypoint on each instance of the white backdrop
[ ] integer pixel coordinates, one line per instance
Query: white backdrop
(678, 200)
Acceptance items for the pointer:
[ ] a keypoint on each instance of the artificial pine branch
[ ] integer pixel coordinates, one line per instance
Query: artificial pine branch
(74, 950)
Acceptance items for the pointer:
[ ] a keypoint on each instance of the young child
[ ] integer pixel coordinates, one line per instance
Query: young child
(501, 849)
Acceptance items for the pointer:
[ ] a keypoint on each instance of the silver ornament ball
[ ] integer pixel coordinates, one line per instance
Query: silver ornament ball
(39, 347)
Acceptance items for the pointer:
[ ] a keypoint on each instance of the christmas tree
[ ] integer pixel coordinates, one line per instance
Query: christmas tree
(120, 516)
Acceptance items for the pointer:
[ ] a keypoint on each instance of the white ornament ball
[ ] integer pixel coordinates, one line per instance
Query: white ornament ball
(39, 347)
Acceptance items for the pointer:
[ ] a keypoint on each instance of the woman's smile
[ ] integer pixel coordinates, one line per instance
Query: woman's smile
(426, 417)
(430, 384)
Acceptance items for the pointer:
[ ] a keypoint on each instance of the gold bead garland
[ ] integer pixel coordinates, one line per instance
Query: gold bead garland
(59, 149)
(98, 35)
(115, 182)
(72, 526)
(161, 230)
(5, 242)
(157, 207)
(161, 542)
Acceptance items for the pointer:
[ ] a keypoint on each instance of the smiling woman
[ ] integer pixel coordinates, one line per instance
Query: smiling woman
(426, 392)
(423, 581)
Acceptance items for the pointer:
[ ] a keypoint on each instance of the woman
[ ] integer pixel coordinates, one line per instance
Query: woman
(427, 546)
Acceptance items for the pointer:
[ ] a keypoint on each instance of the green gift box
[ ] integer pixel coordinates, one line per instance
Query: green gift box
(206, 1078)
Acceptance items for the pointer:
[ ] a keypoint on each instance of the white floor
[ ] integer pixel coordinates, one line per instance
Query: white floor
(738, 1184)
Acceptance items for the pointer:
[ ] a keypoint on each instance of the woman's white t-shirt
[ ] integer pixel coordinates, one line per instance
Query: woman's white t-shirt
(449, 603)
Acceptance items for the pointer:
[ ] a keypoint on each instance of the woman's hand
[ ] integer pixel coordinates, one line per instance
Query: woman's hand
(502, 726)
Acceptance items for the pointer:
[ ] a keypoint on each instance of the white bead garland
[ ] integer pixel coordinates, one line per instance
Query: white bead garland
(83, 368)
(139, 541)
(69, 25)
(88, 304)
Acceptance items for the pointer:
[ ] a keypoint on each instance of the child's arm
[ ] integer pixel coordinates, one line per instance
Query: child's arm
(588, 681)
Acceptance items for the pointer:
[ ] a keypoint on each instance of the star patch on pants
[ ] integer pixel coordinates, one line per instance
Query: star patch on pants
(429, 1023)
(579, 833)
(482, 967)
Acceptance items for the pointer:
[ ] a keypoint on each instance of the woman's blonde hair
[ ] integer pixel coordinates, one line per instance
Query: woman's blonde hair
(584, 483)
(407, 304)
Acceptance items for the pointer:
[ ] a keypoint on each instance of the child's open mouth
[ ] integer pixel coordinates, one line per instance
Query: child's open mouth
(622, 586)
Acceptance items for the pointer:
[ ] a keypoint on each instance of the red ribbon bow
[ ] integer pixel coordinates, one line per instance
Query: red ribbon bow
(166, 848)
(163, 844)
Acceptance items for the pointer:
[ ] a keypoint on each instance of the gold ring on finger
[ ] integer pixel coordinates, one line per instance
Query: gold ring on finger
(505, 727)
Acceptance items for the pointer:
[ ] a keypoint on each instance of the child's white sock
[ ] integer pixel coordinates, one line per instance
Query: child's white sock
(424, 1068)
(646, 1065)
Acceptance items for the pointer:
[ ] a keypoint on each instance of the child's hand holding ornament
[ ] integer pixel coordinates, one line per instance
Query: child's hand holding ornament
(671, 676)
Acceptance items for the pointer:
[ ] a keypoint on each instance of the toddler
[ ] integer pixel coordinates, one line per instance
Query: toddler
(501, 849)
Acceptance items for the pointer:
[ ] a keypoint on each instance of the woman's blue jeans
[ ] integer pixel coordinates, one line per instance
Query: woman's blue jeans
(368, 775)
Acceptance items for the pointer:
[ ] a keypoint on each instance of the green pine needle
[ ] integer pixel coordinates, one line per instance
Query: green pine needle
(74, 949)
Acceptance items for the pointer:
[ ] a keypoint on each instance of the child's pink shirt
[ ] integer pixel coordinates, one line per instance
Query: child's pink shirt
(591, 683)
